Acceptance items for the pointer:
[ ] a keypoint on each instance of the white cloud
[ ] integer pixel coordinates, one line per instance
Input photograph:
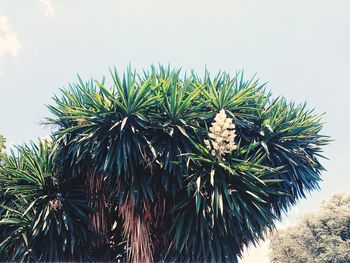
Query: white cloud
(9, 42)
(49, 10)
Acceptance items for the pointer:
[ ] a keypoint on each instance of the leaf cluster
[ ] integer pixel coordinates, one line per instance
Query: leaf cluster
(144, 135)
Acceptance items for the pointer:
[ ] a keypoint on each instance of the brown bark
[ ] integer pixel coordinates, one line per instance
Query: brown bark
(136, 230)
(160, 218)
(99, 206)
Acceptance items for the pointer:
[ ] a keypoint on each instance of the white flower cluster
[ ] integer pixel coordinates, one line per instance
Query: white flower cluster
(222, 135)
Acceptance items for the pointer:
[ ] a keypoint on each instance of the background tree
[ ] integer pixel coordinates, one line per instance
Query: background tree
(44, 215)
(2, 148)
(320, 237)
(164, 167)
(2, 145)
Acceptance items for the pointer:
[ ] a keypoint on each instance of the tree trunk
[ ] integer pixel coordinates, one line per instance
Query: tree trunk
(136, 229)
(99, 208)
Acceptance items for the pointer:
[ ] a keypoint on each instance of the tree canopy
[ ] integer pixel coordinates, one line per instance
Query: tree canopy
(2, 142)
(320, 237)
(158, 166)
(2, 146)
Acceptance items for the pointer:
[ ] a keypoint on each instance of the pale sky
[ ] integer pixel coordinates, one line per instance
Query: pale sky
(300, 47)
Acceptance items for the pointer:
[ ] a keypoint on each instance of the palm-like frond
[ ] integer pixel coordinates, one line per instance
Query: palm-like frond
(290, 138)
(230, 199)
(37, 206)
(141, 142)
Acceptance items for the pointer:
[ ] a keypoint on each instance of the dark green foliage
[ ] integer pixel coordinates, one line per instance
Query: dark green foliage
(43, 215)
(144, 136)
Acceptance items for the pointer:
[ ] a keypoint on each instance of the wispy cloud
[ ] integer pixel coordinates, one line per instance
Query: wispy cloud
(49, 10)
(9, 42)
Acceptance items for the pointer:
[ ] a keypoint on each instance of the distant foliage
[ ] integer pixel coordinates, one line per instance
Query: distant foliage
(2, 142)
(321, 237)
(2, 146)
